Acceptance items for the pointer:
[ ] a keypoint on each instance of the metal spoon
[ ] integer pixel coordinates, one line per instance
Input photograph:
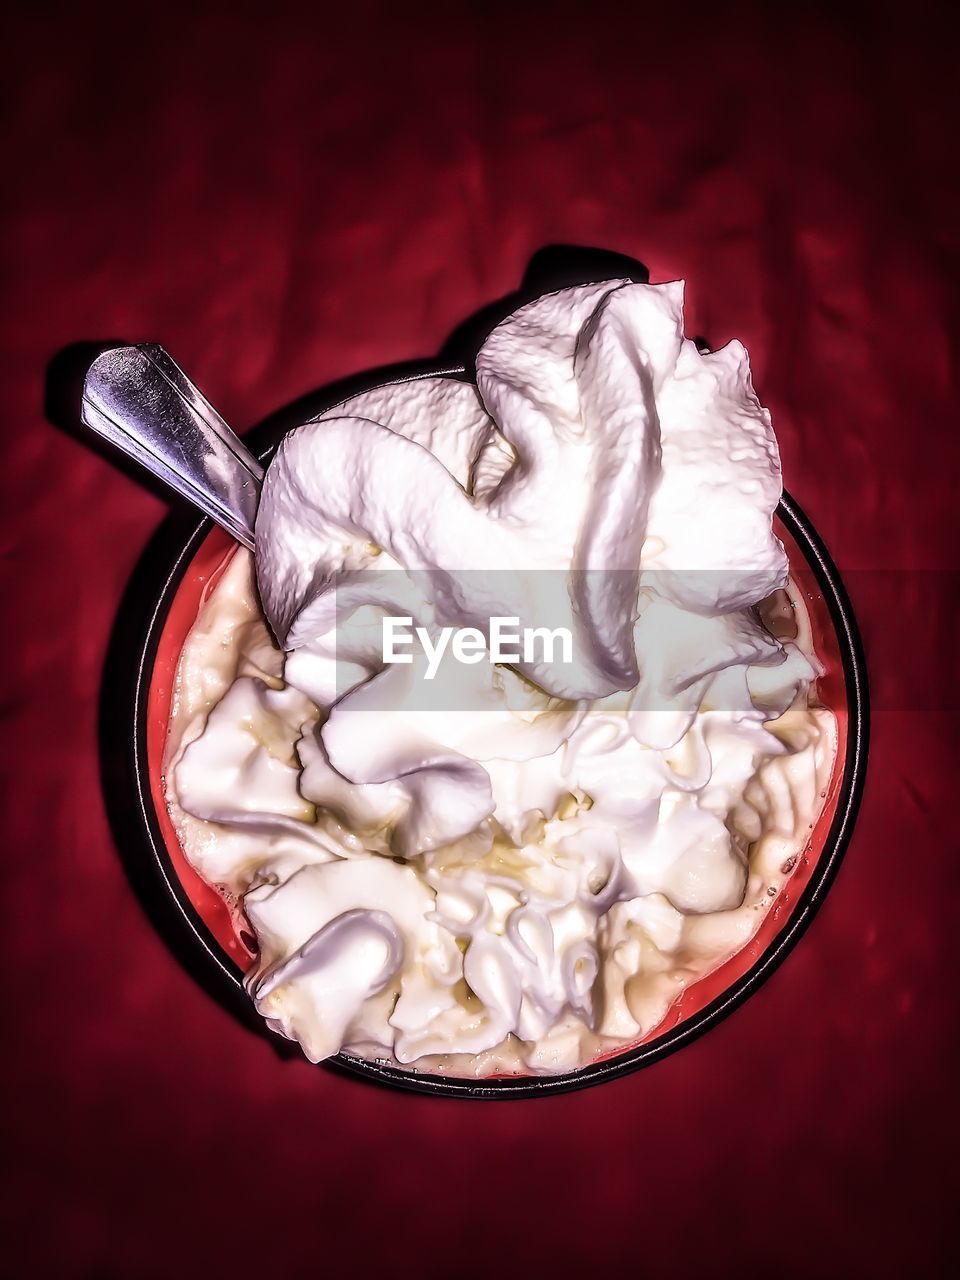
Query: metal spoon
(142, 401)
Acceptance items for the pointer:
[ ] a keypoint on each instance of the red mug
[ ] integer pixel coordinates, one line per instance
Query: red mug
(217, 931)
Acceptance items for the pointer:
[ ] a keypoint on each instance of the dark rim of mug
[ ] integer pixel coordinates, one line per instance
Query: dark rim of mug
(209, 952)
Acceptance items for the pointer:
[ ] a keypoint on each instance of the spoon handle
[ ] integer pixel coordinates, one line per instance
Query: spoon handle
(141, 400)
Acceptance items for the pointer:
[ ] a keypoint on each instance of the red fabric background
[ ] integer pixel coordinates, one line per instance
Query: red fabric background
(284, 200)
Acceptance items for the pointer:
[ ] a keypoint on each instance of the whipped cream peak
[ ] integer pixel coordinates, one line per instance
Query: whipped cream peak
(611, 431)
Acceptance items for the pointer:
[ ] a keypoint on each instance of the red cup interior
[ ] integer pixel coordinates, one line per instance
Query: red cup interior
(227, 928)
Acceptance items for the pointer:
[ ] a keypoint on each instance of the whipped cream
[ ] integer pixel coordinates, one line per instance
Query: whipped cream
(529, 870)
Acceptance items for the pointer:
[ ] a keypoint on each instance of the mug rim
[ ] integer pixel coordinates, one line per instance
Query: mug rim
(853, 771)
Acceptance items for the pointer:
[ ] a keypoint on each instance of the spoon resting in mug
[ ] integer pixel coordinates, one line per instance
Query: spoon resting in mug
(140, 399)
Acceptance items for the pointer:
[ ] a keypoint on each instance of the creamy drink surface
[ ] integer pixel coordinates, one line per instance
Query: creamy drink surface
(531, 877)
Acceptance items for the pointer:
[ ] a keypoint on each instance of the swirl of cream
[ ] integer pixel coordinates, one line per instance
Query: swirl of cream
(581, 393)
(350, 959)
(336, 934)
